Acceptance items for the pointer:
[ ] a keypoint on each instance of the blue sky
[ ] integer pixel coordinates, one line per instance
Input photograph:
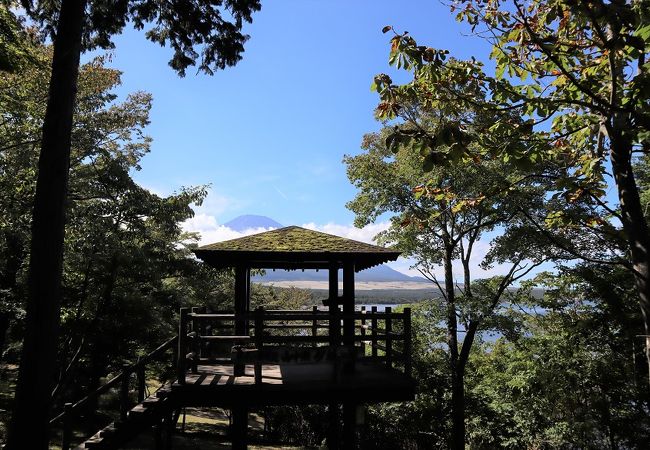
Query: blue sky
(269, 134)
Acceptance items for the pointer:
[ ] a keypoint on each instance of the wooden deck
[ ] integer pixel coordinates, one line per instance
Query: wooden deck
(293, 383)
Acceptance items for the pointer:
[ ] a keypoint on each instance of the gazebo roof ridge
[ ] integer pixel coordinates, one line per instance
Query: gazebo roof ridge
(294, 247)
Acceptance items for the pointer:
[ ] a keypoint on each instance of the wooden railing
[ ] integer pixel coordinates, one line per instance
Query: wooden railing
(381, 336)
(72, 410)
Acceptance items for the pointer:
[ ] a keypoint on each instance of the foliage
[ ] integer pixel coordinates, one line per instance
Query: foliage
(271, 297)
(567, 380)
(127, 265)
(439, 213)
(15, 42)
(424, 422)
(207, 33)
(297, 425)
(553, 64)
(569, 103)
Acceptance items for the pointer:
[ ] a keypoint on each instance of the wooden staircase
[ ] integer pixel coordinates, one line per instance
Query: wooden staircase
(154, 411)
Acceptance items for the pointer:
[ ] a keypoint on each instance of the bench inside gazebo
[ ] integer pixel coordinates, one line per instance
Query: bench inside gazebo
(337, 354)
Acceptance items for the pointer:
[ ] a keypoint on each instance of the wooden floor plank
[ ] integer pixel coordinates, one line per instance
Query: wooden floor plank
(207, 381)
(294, 382)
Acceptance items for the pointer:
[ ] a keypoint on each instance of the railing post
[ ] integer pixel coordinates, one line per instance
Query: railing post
(195, 326)
(314, 324)
(124, 392)
(67, 426)
(363, 330)
(408, 361)
(373, 331)
(259, 327)
(389, 338)
(140, 372)
(182, 345)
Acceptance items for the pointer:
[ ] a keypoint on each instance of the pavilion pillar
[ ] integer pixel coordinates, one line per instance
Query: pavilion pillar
(348, 302)
(334, 430)
(239, 427)
(242, 299)
(349, 425)
(333, 304)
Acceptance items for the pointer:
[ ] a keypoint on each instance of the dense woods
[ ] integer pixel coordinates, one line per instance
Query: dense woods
(544, 163)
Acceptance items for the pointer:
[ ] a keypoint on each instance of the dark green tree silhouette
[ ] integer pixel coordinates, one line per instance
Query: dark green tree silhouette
(203, 33)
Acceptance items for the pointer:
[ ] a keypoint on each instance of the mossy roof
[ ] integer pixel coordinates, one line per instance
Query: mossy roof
(294, 247)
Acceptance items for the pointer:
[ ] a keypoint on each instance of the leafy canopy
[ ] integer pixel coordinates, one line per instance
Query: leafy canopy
(207, 33)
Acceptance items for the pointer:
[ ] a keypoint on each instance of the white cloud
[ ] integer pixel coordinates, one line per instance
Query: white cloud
(216, 204)
(211, 231)
(365, 234)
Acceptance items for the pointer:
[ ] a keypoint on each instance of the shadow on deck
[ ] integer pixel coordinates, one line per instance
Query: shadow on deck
(292, 383)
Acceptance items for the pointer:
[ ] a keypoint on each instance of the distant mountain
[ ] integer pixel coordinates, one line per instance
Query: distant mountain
(249, 221)
(377, 273)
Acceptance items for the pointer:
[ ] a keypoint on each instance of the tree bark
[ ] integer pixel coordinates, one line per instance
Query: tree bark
(634, 224)
(29, 427)
(456, 369)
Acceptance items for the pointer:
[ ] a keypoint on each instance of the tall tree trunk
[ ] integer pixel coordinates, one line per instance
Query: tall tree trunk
(457, 382)
(29, 427)
(634, 224)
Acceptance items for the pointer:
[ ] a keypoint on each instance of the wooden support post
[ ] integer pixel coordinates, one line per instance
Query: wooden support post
(259, 343)
(195, 341)
(124, 392)
(349, 425)
(157, 436)
(170, 425)
(348, 303)
(248, 299)
(67, 427)
(363, 330)
(241, 300)
(314, 324)
(389, 337)
(142, 386)
(408, 360)
(239, 427)
(182, 346)
(334, 430)
(373, 331)
(334, 320)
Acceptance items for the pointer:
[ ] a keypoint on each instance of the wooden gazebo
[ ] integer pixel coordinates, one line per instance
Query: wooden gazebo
(294, 248)
(366, 377)
(241, 359)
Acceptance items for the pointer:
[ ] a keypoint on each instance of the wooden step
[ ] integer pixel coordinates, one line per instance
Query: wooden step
(139, 417)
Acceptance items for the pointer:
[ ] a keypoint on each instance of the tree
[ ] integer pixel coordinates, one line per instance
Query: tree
(438, 218)
(214, 28)
(15, 42)
(577, 72)
(423, 422)
(565, 378)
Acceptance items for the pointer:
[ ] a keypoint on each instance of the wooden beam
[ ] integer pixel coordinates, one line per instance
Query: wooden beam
(348, 302)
